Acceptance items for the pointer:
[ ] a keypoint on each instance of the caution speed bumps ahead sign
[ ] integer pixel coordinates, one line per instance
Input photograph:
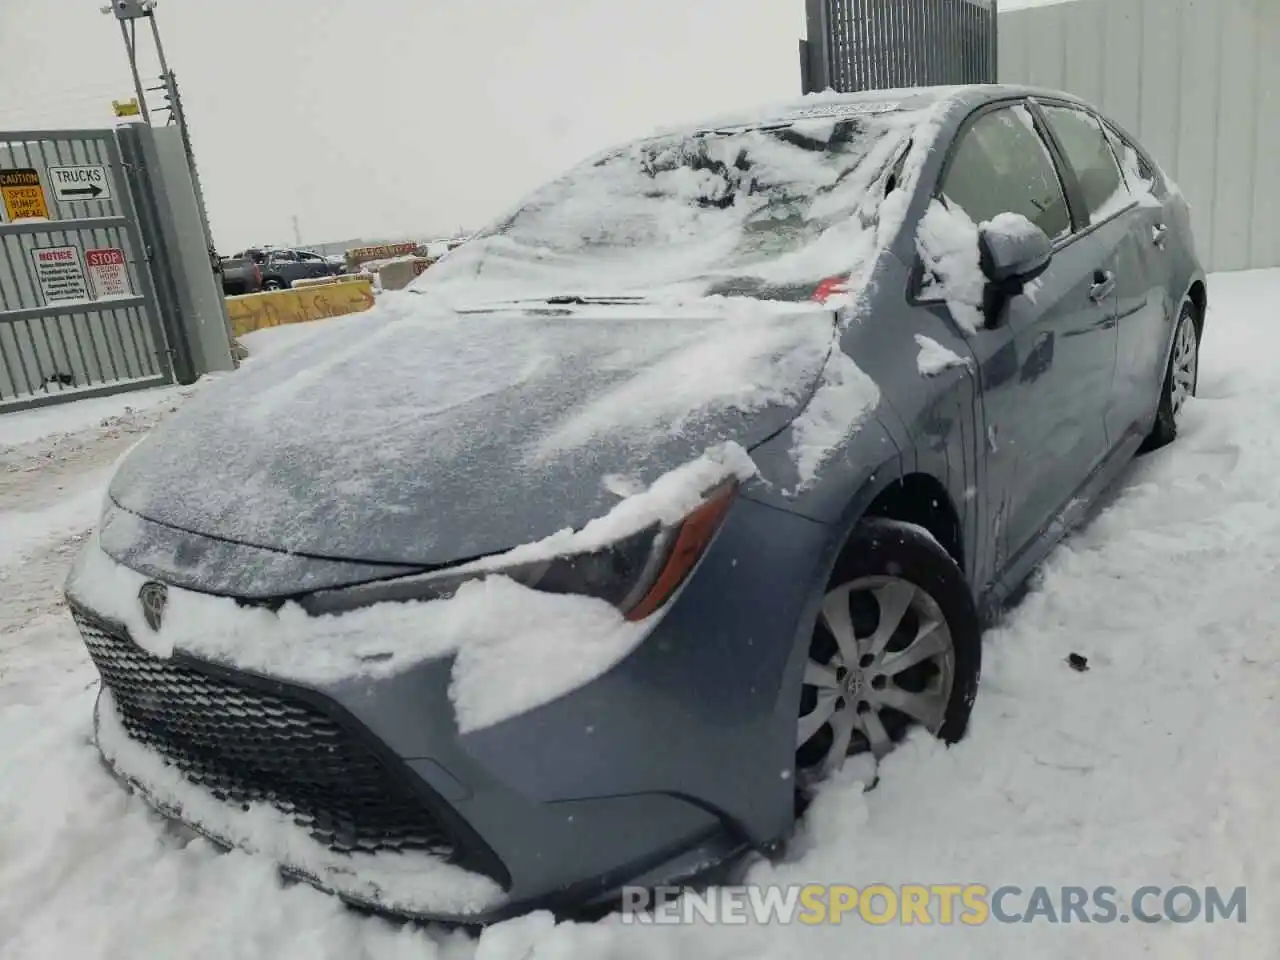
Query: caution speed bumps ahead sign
(23, 195)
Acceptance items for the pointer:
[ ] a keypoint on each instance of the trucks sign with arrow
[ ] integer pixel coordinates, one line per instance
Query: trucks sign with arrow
(80, 183)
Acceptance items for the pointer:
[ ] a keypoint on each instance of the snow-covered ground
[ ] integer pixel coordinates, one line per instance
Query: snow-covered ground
(1149, 768)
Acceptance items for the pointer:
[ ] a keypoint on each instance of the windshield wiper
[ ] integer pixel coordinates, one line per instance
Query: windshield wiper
(573, 299)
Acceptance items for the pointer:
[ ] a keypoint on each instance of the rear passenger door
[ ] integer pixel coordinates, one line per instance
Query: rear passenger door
(1046, 369)
(1121, 230)
(1146, 327)
(284, 265)
(312, 265)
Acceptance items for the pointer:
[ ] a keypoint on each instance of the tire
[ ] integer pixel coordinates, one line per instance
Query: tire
(1181, 376)
(274, 284)
(888, 566)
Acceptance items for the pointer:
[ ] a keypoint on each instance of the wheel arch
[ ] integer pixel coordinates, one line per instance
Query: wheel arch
(921, 499)
(912, 496)
(1198, 294)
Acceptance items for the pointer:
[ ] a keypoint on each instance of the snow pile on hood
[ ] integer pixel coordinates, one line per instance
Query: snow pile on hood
(332, 447)
(562, 642)
(759, 354)
(404, 880)
(670, 499)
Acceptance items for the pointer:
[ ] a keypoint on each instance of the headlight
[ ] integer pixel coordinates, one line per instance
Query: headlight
(637, 574)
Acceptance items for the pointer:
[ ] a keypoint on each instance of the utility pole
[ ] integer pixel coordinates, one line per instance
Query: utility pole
(128, 13)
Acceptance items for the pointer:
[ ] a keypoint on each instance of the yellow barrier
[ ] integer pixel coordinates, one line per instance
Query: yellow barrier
(325, 281)
(257, 311)
(383, 251)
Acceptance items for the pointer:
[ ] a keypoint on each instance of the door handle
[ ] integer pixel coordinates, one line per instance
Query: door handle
(1158, 234)
(1104, 284)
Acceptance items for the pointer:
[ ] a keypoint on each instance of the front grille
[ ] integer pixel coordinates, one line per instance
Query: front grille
(245, 745)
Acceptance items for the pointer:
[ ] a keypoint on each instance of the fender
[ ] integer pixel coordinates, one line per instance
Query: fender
(1198, 277)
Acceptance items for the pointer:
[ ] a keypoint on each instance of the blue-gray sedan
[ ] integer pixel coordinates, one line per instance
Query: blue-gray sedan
(585, 560)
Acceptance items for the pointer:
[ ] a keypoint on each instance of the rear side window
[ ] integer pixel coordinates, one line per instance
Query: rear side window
(1138, 171)
(1001, 165)
(1091, 157)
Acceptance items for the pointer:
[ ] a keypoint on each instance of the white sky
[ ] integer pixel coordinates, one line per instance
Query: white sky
(376, 117)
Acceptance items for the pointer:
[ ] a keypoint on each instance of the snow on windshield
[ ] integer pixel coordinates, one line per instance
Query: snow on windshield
(774, 209)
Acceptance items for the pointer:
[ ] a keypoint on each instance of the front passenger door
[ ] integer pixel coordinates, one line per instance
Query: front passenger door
(1046, 370)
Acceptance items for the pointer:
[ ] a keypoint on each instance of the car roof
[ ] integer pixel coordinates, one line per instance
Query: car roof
(848, 105)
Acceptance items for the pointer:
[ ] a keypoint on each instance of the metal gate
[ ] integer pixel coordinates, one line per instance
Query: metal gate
(78, 312)
(882, 44)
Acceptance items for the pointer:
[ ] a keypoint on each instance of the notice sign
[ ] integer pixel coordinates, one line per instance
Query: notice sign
(108, 273)
(60, 274)
(23, 194)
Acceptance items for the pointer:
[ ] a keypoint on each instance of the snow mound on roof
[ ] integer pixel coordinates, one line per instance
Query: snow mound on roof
(686, 211)
(829, 103)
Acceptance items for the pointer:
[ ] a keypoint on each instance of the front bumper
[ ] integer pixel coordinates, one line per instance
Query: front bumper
(671, 764)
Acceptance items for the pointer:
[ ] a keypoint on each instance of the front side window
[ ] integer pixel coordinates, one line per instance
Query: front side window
(1092, 159)
(1003, 166)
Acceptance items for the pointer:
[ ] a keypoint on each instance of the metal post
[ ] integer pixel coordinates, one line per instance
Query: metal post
(818, 48)
(131, 46)
(995, 41)
(170, 81)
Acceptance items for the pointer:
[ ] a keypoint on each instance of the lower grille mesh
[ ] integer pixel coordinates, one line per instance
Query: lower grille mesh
(246, 745)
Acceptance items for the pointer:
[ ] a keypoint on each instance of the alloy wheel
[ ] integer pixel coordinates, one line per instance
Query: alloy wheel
(882, 660)
(1186, 362)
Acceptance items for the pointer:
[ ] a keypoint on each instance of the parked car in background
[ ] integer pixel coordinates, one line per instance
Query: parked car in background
(240, 275)
(283, 267)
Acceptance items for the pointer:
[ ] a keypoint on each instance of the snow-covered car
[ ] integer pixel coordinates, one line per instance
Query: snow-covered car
(579, 562)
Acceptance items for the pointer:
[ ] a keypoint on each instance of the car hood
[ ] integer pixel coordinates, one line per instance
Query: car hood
(417, 434)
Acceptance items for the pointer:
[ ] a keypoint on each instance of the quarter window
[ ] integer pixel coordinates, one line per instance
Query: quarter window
(1092, 159)
(1138, 172)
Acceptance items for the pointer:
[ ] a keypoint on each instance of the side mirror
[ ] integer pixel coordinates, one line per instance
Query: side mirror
(1013, 251)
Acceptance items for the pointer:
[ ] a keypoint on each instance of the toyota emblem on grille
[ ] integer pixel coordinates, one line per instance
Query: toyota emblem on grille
(153, 597)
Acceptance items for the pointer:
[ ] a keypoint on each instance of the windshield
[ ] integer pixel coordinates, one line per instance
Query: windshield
(767, 211)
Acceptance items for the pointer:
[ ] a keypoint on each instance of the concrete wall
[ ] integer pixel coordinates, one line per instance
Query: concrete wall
(257, 311)
(1197, 81)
